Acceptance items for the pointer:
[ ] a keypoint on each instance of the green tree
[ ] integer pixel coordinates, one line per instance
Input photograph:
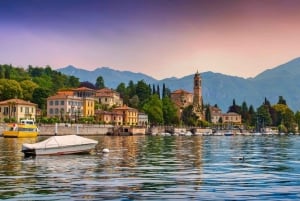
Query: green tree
(263, 117)
(286, 117)
(39, 96)
(207, 113)
(234, 108)
(281, 100)
(297, 119)
(28, 87)
(169, 112)
(122, 90)
(143, 92)
(188, 117)
(10, 89)
(100, 82)
(153, 108)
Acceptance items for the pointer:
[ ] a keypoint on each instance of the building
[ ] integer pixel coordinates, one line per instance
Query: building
(17, 109)
(112, 118)
(88, 100)
(216, 115)
(65, 107)
(198, 100)
(109, 97)
(130, 115)
(143, 119)
(72, 104)
(231, 118)
(182, 98)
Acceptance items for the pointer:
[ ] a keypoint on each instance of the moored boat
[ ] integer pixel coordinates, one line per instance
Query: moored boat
(60, 145)
(26, 128)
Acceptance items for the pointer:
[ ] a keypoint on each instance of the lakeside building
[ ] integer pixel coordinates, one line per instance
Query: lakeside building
(130, 115)
(72, 104)
(109, 97)
(183, 99)
(225, 118)
(143, 119)
(113, 118)
(17, 109)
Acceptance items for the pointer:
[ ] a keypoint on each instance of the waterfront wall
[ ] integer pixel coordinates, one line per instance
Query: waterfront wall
(68, 129)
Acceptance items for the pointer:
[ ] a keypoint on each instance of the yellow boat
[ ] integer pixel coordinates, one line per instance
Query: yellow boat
(27, 128)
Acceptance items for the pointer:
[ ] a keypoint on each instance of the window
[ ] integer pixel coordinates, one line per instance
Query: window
(51, 111)
(56, 110)
(26, 110)
(56, 102)
(51, 102)
(62, 102)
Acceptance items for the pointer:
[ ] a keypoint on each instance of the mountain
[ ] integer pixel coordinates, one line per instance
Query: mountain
(112, 78)
(217, 88)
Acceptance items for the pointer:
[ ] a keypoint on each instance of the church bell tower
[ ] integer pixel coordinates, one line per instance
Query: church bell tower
(198, 101)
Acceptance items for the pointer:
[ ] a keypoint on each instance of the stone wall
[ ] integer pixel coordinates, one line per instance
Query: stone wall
(78, 129)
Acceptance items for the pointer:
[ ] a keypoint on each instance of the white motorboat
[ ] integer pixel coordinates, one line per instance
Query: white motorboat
(59, 145)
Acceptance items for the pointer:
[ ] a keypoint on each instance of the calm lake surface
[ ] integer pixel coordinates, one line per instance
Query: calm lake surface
(157, 168)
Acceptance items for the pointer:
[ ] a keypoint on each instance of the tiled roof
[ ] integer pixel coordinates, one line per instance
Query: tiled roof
(83, 89)
(17, 101)
(180, 91)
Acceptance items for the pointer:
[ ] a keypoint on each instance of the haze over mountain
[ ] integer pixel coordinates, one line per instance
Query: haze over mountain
(217, 88)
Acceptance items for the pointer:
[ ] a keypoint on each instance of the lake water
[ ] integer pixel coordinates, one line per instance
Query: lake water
(157, 168)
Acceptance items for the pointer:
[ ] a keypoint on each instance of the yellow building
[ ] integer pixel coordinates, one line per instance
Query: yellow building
(113, 118)
(130, 115)
(231, 118)
(17, 109)
(109, 97)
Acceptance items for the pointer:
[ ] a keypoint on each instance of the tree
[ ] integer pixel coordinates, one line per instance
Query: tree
(153, 108)
(121, 89)
(87, 85)
(39, 96)
(188, 117)
(286, 116)
(297, 119)
(28, 87)
(169, 112)
(244, 113)
(143, 92)
(100, 82)
(234, 108)
(134, 101)
(281, 100)
(263, 117)
(207, 113)
(10, 89)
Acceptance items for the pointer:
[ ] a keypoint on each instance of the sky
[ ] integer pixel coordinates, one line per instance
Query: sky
(161, 38)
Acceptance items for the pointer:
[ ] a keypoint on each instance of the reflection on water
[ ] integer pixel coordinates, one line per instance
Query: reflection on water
(156, 168)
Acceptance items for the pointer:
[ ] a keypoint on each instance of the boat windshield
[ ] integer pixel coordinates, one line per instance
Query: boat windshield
(27, 121)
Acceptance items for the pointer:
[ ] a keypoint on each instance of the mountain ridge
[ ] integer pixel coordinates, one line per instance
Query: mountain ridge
(218, 88)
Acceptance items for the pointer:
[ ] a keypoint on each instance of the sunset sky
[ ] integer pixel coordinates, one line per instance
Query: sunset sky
(161, 38)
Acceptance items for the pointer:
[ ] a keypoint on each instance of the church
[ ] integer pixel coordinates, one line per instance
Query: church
(183, 98)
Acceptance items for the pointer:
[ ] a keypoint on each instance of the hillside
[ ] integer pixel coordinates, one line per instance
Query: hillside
(218, 88)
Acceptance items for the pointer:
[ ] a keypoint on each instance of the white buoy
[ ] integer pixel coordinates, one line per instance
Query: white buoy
(105, 150)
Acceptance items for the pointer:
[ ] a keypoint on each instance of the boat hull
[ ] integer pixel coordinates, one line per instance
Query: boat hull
(60, 145)
(20, 130)
(74, 149)
(19, 134)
